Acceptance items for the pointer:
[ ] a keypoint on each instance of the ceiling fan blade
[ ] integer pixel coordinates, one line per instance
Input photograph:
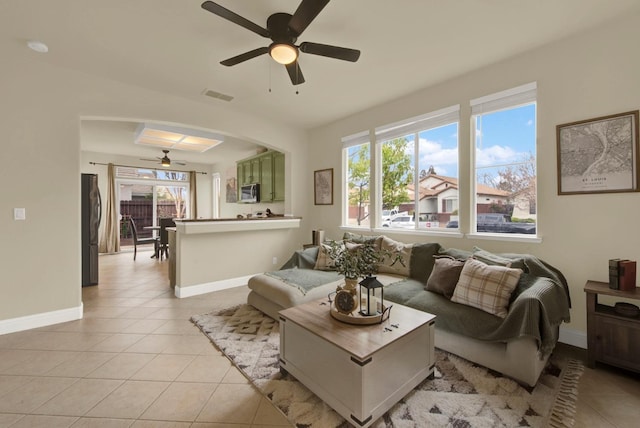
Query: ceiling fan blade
(150, 160)
(336, 52)
(225, 13)
(295, 73)
(245, 56)
(306, 12)
(179, 163)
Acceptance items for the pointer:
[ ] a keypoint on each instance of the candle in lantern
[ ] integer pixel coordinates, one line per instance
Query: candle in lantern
(372, 305)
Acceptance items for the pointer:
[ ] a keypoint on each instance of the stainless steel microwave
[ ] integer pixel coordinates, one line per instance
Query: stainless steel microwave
(250, 193)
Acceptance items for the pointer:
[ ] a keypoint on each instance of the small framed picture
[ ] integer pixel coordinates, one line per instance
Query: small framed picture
(598, 155)
(323, 186)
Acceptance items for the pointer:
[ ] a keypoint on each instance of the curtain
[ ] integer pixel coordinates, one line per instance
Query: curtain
(193, 200)
(110, 238)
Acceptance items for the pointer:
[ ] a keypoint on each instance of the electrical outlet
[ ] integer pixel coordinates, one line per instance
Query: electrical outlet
(19, 214)
(275, 261)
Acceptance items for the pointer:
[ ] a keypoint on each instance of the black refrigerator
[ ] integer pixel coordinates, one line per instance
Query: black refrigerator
(91, 213)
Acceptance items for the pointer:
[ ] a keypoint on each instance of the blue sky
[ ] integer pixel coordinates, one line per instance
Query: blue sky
(504, 137)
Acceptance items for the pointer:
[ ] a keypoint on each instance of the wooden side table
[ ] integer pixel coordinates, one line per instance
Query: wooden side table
(611, 338)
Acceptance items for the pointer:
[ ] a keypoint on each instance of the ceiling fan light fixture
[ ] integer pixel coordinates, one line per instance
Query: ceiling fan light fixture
(283, 53)
(166, 162)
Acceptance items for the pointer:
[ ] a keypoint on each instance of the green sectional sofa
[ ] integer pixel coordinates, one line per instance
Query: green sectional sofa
(512, 330)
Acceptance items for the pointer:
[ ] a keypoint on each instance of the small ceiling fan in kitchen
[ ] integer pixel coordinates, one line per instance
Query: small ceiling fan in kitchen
(284, 29)
(164, 160)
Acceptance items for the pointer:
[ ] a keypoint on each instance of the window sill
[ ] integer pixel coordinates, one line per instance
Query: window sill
(397, 231)
(514, 237)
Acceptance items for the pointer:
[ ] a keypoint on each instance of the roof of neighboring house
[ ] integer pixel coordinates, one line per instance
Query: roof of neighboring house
(452, 182)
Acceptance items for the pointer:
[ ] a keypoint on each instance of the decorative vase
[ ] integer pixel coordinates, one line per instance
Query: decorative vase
(350, 283)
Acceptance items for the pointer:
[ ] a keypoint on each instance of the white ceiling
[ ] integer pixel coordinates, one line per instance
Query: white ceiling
(175, 46)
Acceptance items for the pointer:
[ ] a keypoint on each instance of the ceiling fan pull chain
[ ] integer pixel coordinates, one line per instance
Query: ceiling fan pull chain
(269, 65)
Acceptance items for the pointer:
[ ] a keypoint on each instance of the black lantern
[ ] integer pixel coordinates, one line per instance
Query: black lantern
(371, 297)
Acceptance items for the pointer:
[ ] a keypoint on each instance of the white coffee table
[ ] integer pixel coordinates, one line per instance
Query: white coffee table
(361, 371)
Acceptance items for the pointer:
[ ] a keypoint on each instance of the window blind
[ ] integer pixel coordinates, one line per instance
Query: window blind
(505, 99)
(355, 139)
(431, 120)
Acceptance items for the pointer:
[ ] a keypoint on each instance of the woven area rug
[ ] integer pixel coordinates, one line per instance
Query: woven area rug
(461, 395)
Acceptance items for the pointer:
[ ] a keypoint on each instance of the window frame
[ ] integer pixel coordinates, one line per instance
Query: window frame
(512, 98)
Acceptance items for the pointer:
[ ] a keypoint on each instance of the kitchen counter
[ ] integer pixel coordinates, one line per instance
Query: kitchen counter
(279, 217)
(213, 254)
(198, 226)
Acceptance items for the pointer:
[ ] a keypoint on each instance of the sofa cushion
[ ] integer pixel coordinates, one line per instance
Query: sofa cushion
(390, 262)
(402, 290)
(422, 261)
(497, 260)
(486, 287)
(444, 276)
(455, 253)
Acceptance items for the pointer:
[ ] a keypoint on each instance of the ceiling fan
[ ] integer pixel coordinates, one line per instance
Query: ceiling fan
(284, 29)
(165, 161)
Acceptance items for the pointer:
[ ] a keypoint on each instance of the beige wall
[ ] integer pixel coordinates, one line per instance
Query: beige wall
(594, 74)
(40, 116)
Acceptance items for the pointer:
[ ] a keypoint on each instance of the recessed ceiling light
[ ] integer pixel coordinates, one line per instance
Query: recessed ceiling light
(176, 138)
(38, 46)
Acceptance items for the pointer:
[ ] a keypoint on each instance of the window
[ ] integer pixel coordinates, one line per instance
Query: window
(505, 161)
(419, 170)
(149, 194)
(357, 164)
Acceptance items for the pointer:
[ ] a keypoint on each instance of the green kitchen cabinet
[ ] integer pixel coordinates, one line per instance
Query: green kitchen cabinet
(267, 169)
(266, 178)
(278, 176)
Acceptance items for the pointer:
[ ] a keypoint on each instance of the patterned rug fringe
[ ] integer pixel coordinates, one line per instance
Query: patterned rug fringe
(564, 409)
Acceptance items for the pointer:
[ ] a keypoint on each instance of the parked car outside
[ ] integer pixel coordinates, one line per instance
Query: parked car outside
(498, 223)
(401, 222)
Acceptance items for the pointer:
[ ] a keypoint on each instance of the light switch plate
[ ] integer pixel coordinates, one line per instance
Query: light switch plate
(19, 214)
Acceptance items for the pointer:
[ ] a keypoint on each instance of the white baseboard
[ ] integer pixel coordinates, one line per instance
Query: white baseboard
(28, 322)
(573, 337)
(208, 287)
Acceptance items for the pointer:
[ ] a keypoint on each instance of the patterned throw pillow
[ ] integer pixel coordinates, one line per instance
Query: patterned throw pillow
(486, 287)
(324, 261)
(444, 276)
(390, 263)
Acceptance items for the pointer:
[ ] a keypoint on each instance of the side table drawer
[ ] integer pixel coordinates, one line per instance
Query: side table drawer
(618, 342)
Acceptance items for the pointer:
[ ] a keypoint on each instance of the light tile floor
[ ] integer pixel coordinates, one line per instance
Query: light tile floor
(136, 360)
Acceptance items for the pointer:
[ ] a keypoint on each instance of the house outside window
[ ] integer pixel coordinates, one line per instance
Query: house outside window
(419, 170)
(504, 126)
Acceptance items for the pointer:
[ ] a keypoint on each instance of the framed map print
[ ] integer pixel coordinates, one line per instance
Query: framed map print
(598, 155)
(323, 186)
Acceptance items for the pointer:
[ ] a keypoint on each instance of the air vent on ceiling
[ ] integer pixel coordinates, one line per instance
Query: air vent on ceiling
(218, 95)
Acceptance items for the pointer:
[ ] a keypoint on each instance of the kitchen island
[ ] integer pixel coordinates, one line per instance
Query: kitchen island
(208, 255)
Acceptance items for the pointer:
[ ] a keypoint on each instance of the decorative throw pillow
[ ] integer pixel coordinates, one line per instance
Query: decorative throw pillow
(486, 287)
(324, 260)
(422, 260)
(390, 263)
(363, 239)
(495, 259)
(444, 276)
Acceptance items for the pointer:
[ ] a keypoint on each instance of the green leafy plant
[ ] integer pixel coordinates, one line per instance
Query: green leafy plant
(358, 260)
